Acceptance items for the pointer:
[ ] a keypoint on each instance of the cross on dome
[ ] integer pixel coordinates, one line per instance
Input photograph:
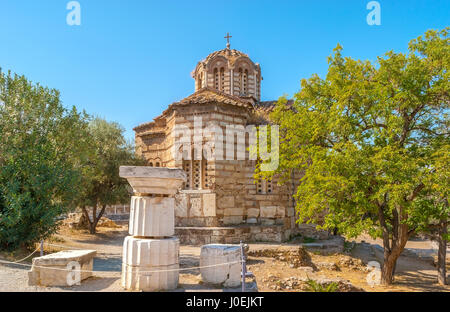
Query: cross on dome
(228, 39)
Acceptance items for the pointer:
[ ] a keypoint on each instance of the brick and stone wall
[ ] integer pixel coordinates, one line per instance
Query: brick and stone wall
(232, 198)
(231, 234)
(221, 202)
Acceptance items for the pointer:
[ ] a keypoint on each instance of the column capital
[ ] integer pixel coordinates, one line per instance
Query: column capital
(151, 180)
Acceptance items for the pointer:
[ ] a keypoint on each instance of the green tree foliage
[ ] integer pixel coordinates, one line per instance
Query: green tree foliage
(42, 149)
(102, 185)
(372, 142)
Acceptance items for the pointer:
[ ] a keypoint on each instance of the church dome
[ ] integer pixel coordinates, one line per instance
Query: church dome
(229, 71)
(230, 54)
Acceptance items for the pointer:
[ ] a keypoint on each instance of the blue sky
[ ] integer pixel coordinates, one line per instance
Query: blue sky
(128, 60)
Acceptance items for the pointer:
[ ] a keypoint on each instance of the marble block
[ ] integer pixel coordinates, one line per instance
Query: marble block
(152, 216)
(61, 268)
(150, 252)
(150, 278)
(224, 275)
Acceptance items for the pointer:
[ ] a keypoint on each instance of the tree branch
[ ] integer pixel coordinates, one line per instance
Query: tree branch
(415, 192)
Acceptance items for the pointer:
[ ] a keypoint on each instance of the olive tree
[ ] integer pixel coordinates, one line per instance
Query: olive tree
(42, 150)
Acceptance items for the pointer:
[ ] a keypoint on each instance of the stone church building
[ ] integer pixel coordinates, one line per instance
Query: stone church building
(221, 202)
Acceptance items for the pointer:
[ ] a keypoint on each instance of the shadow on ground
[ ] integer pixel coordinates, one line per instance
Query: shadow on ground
(110, 263)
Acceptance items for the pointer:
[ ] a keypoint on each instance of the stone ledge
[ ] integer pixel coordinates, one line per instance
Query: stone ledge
(197, 192)
(244, 226)
(64, 257)
(149, 180)
(232, 234)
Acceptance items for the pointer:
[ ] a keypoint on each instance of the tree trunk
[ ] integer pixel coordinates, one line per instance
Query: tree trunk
(442, 253)
(392, 251)
(93, 224)
(96, 218)
(393, 271)
(394, 240)
(86, 215)
(387, 271)
(92, 227)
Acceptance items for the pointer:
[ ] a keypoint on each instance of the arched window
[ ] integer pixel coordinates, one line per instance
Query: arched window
(206, 177)
(216, 79)
(259, 186)
(222, 79)
(150, 164)
(199, 82)
(258, 84)
(198, 175)
(188, 169)
(241, 81)
(264, 186)
(245, 82)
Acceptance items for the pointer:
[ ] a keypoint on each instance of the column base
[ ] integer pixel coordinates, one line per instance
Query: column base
(147, 278)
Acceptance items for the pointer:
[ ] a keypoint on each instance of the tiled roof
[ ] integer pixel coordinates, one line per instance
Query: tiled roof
(141, 126)
(151, 124)
(203, 96)
(208, 95)
(268, 106)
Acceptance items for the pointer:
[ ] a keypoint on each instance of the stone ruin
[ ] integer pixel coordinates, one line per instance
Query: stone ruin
(220, 265)
(151, 253)
(64, 268)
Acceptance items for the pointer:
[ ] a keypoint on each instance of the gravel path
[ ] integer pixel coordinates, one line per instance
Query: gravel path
(108, 263)
(13, 278)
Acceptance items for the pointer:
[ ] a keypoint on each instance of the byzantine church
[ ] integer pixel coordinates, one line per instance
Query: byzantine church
(221, 202)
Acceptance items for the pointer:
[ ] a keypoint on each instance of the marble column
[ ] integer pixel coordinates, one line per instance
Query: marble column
(150, 259)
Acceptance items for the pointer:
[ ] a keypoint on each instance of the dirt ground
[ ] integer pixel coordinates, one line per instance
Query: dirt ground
(415, 270)
(412, 274)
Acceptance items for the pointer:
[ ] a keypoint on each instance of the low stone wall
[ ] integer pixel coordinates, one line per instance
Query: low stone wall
(232, 235)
